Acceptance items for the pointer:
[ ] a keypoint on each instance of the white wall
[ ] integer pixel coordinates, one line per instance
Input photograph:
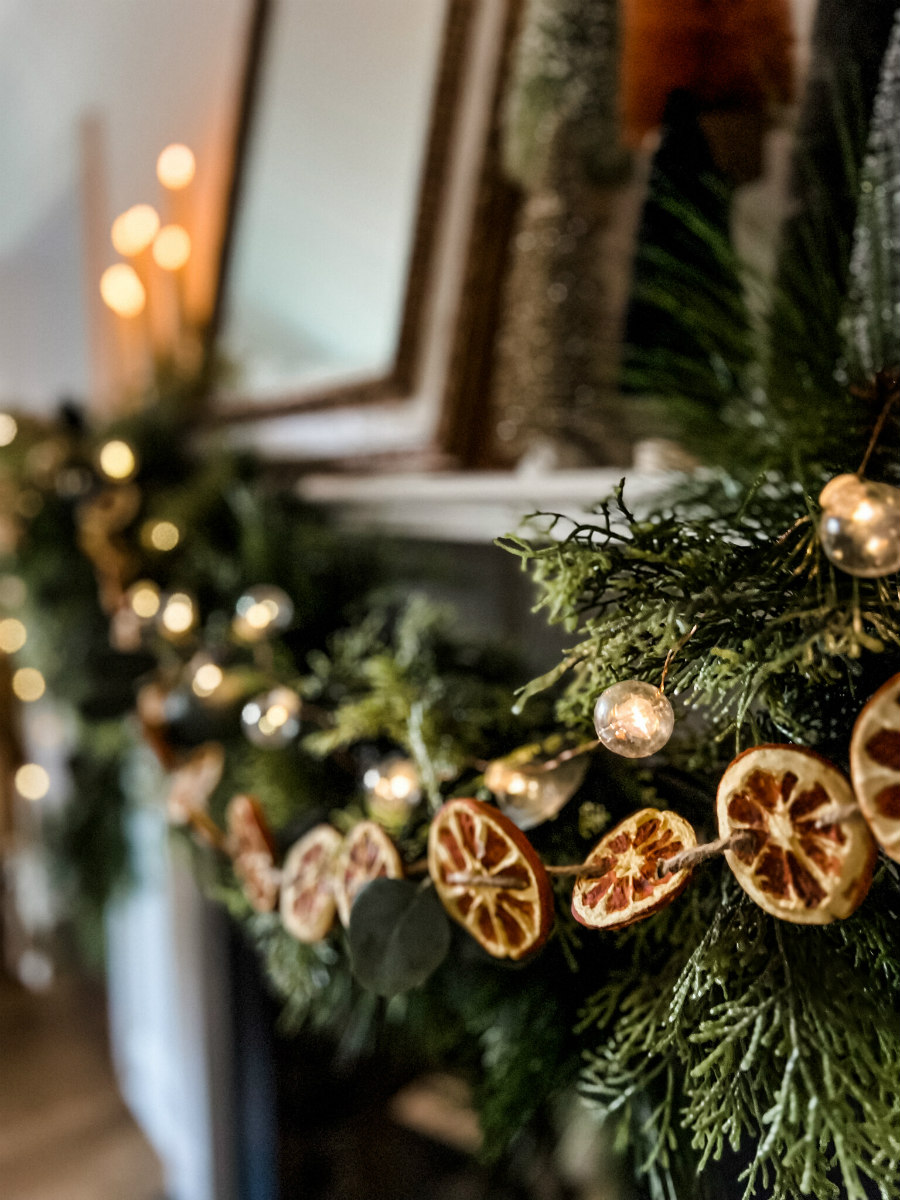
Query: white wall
(154, 71)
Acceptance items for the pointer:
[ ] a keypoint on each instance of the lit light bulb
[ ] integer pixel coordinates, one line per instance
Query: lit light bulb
(172, 248)
(633, 719)
(262, 611)
(860, 526)
(527, 792)
(13, 635)
(144, 599)
(393, 790)
(32, 781)
(134, 230)
(160, 535)
(178, 615)
(8, 429)
(272, 720)
(175, 166)
(122, 291)
(117, 460)
(207, 679)
(28, 684)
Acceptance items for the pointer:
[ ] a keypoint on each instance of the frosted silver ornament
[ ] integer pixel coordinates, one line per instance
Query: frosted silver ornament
(859, 529)
(262, 611)
(633, 719)
(272, 719)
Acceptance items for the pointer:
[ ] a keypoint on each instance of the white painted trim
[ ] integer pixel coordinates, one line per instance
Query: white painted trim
(471, 506)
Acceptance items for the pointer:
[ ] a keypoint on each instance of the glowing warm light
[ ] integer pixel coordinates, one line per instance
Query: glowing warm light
(144, 599)
(135, 229)
(28, 684)
(401, 787)
(276, 715)
(8, 429)
(864, 511)
(206, 679)
(163, 535)
(175, 166)
(397, 780)
(517, 785)
(117, 460)
(633, 718)
(261, 615)
(122, 291)
(178, 615)
(32, 781)
(13, 635)
(172, 248)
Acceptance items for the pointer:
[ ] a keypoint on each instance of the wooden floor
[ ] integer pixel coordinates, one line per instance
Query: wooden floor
(64, 1132)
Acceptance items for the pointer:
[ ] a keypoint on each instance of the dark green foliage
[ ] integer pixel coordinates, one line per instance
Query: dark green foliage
(731, 1030)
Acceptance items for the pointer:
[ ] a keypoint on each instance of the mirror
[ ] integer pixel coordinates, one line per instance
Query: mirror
(359, 191)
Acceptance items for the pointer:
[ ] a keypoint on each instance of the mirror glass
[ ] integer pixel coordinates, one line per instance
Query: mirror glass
(325, 227)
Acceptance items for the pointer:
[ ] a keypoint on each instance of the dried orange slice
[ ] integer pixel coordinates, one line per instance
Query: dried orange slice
(368, 853)
(875, 765)
(252, 852)
(194, 782)
(307, 884)
(797, 862)
(471, 840)
(630, 886)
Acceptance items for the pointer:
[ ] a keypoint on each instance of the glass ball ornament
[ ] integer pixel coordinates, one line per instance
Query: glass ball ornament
(393, 790)
(633, 719)
(262, 611)
(272, 719)
(859, 529)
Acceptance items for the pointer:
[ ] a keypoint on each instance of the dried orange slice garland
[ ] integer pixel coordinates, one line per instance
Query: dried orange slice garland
(252, 852)
(875, 765)
(307, 884)
(468, 841)
(194, 782)
(628, 885)
(793, 860)
(368, 853)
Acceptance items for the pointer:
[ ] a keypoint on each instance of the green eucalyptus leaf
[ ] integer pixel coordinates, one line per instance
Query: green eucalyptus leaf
(399, 935)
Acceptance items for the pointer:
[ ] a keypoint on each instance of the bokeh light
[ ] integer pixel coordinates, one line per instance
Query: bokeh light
(122, 291)
(117, 460)
(32, 781)
(172, 248)
(175, 166)
(28, 684)
(13, 635)
(134, 230)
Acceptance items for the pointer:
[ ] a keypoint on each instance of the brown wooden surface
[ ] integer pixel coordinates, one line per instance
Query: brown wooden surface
(65, 1133)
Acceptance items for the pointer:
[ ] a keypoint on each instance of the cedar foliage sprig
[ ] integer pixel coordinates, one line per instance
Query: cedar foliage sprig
(733, 1030)
(775, 622)
(403, 675)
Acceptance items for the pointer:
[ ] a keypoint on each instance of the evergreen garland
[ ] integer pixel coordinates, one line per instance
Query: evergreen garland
(709, 1032)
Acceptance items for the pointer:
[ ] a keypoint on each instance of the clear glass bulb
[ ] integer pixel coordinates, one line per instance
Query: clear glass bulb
(262, 611)
(633, 719)
(272, 720)
(860, 526)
